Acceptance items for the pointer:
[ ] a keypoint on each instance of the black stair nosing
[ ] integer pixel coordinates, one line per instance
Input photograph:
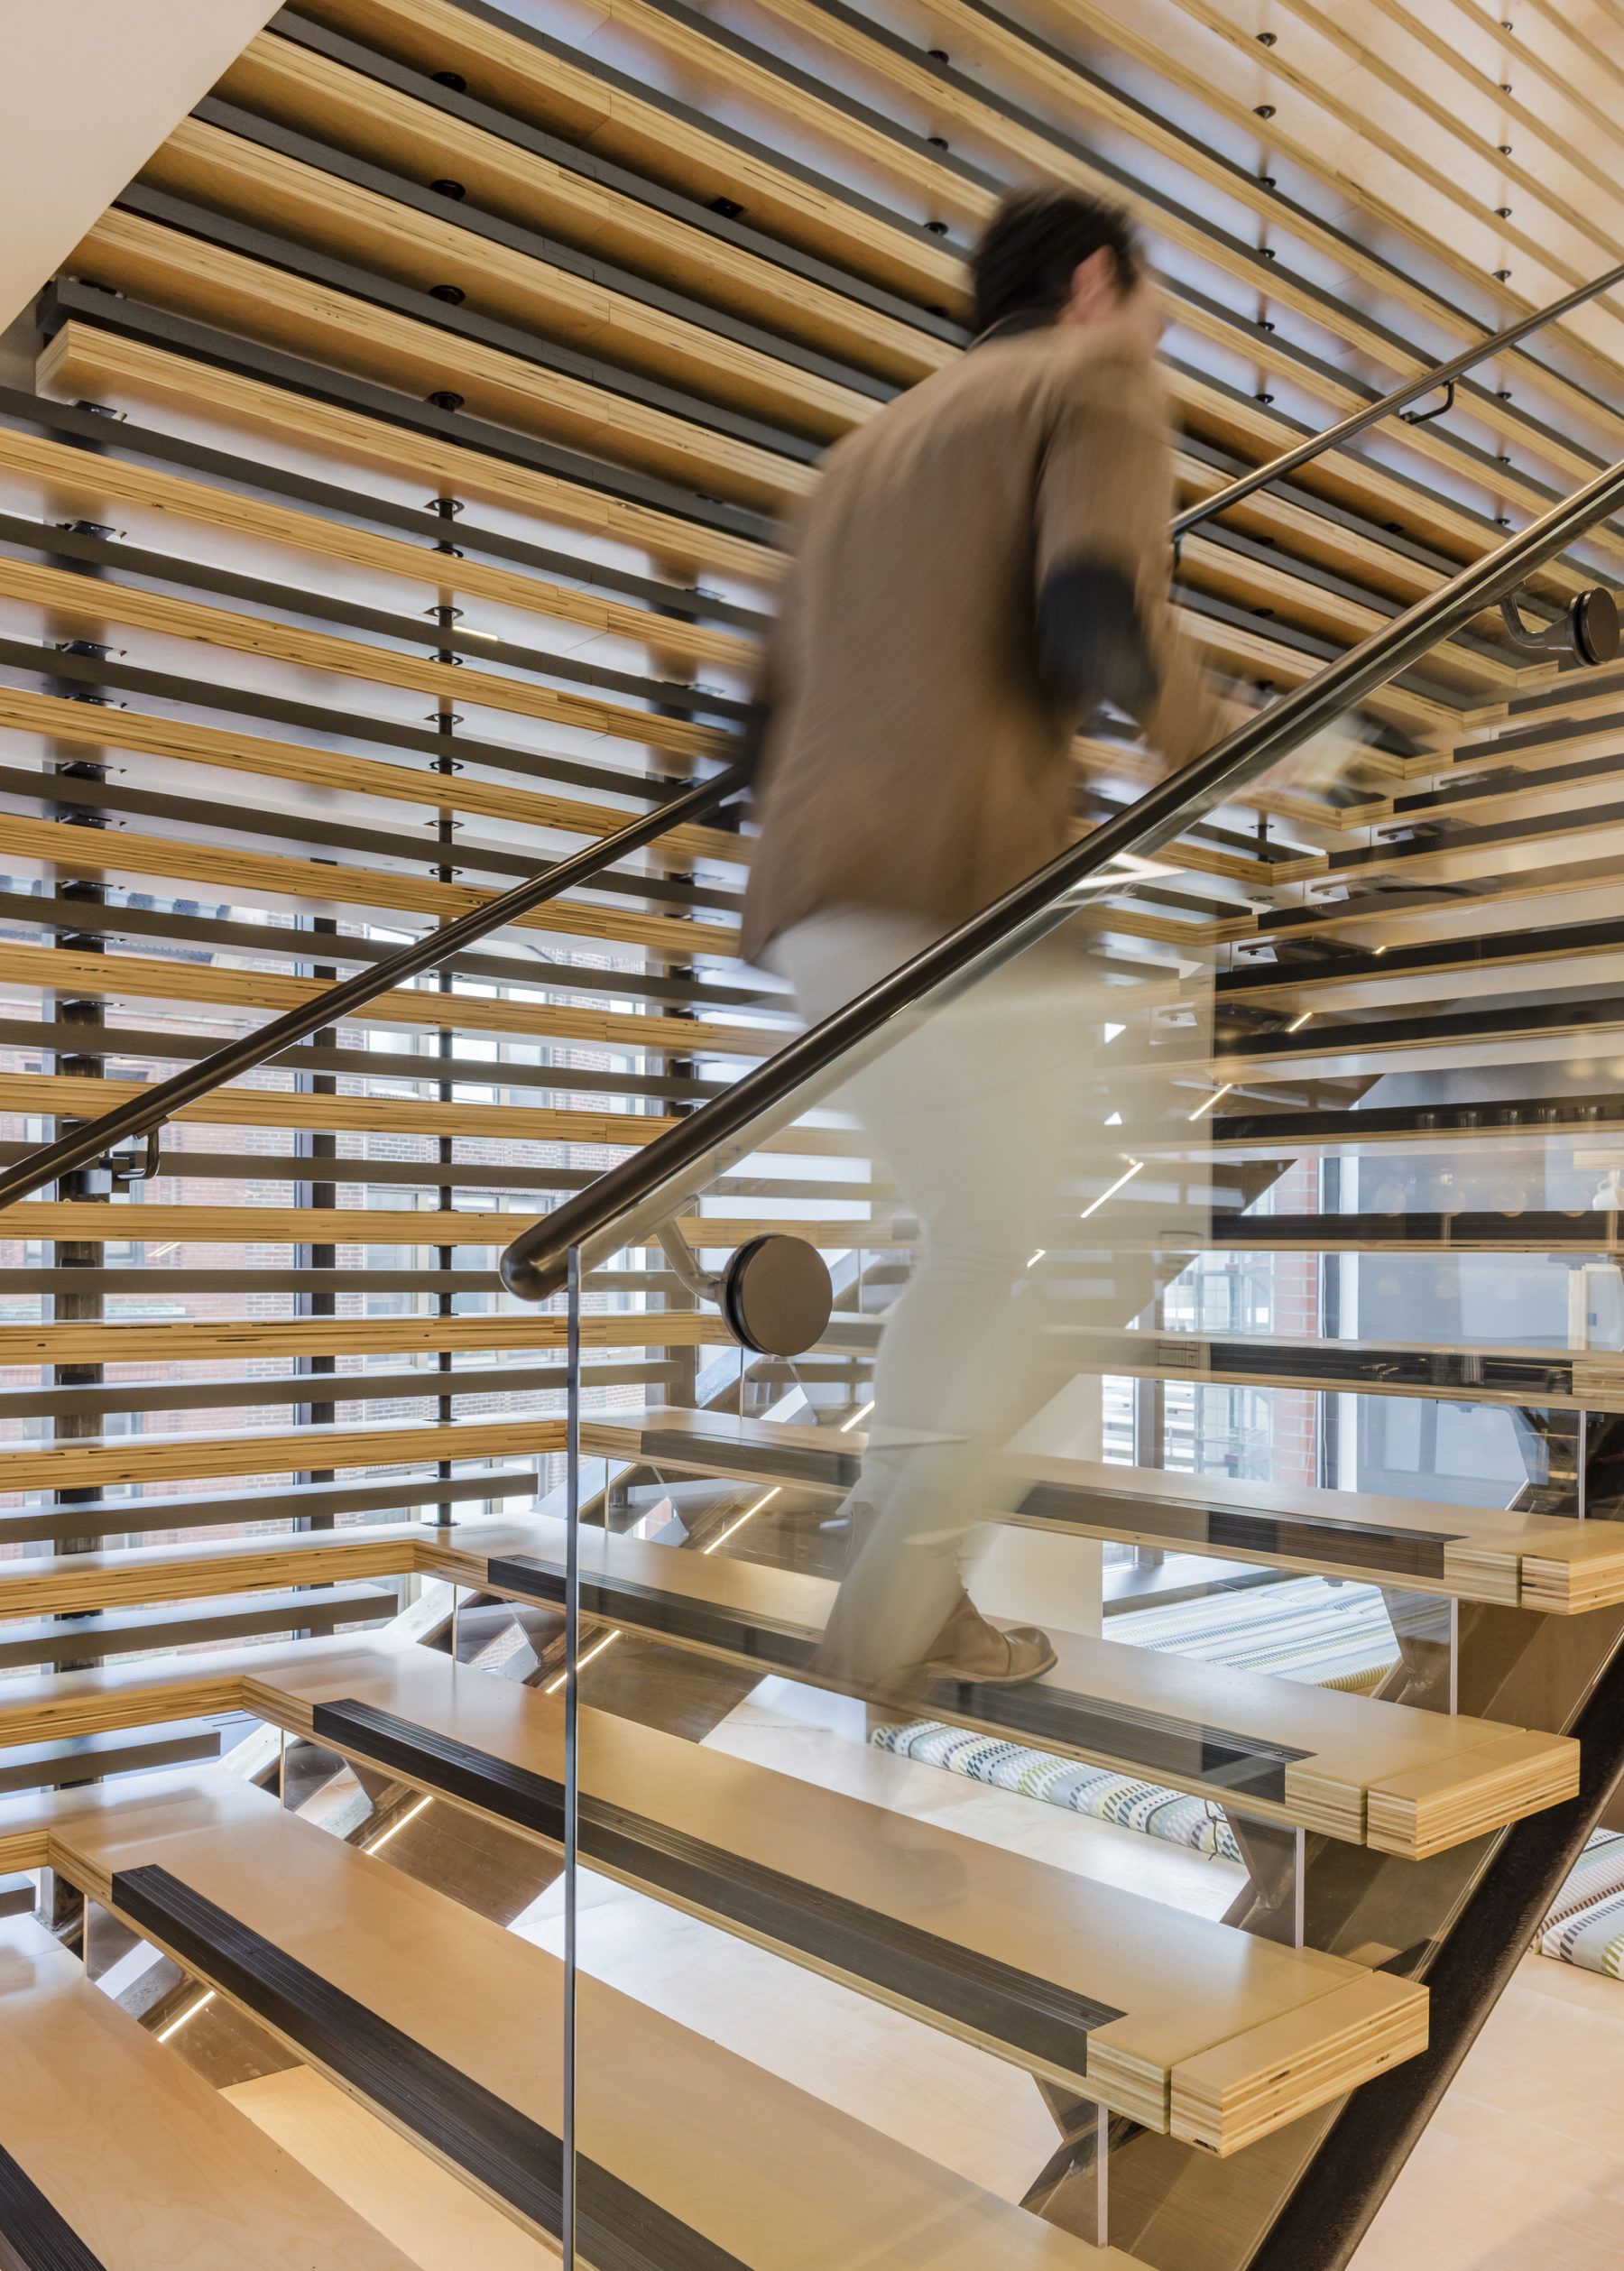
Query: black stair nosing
(1467, 835)
(1232, 1054)
(504, 2150)
(1241, 1765)
(1469, 1229)
(1531, 1376)
(1198, 1523)
(833, 1468)
(1534, 1116)
(1030, 2014)
(34, 2234)
(1446, 956)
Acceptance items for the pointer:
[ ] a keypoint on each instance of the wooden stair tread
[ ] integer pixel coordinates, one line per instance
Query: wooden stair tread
(728, 2160)
(1020, 1958)
(1283, 1750)
(137, 2155)
(1476, 1553)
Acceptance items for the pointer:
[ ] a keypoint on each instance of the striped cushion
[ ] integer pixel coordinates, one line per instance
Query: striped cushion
(1336, 1635)
(1097, 1791)
(1586, 1926)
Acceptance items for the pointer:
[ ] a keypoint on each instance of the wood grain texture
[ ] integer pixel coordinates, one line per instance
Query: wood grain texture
(148, 2163)
(180, 1343)
(193, 278)
(1307, 2015)
(403, 2195)
(178, 740)
(82, 360)
(93, 1463)
(361, 226)
(1226, 2098)
(307, 90)
(673, 145)
(236, 1107)
(271, 879)
(75, 482)
(769, 2174)
(69, 602)
(124, 978)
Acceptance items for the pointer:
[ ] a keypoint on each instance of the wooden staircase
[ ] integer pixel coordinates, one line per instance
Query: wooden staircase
(441, 357)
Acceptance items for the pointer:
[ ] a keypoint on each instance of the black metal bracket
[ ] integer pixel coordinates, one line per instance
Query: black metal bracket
(122, 1164)
(1425, 417)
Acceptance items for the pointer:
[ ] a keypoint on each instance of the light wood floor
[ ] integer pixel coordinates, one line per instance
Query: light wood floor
(1522, 2169)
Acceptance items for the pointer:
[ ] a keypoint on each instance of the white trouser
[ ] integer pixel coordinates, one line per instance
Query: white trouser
(970, 1115)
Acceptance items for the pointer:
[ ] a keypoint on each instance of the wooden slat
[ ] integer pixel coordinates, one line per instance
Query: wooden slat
(395, 1226)
(1028, 149)
(312, 886)
(72, 602)
(179, 1341)
(81, 360)
(70, 480)
(126, 978)
(667, 143)
(236, 1107)
(193, 278)
(1293, 135)
(307, 90)
(108, 1465)
(294, 199)
(63, 719)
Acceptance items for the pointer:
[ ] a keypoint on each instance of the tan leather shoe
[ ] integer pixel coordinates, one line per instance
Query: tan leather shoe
(970, 1650)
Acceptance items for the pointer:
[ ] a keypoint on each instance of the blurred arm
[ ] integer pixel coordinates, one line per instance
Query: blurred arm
(1105, 632)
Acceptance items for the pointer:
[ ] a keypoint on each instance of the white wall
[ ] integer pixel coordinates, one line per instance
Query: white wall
(88, 88)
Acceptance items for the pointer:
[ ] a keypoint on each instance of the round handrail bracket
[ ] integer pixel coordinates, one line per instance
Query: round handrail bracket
(777, 1296)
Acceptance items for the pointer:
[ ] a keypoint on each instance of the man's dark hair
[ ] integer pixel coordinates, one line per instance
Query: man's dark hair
(1024, 262)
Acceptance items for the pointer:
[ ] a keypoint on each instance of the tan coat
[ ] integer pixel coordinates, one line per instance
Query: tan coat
(913, 759)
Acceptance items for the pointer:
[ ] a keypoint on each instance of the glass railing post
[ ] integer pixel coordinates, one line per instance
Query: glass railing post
(572, 1631)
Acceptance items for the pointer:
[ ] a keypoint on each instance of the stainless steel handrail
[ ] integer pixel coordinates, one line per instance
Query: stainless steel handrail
(146, 1113)
(1356, 421)
(630, 1200)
